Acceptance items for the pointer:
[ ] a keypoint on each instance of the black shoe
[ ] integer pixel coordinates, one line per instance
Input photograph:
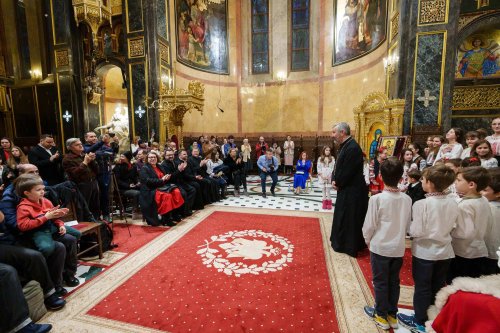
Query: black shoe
(54, 302)
(71, 281)
(272, 193)
(264, 195)
(35, 328)
(177, 218)
(60, 291)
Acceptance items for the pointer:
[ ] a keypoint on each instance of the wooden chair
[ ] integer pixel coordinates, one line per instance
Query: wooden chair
(86, 228)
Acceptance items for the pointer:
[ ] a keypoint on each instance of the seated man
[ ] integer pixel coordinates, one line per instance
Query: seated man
(199, 167)
(236, 171)
(175, 171)
(56, 261)
(268, 166)
(31, 266)
(14, 312)
(189, 178)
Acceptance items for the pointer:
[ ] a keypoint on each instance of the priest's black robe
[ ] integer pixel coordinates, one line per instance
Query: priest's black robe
(352, 200)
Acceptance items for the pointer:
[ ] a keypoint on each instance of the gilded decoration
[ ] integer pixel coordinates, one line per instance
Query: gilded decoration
(136, 47)
(476, 97)
(173, 105)
(376, 110)
(432, 12)
(94, 13)
(394, 26)
(164, 54)
(62, 58)
(3, 72)
(116, 7)
(464, 20)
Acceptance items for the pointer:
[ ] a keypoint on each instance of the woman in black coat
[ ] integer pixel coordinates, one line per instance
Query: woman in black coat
(152, 201)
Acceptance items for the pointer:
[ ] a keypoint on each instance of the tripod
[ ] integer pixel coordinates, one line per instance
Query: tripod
(116, 201)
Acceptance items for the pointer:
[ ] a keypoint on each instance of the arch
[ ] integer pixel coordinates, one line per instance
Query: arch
(482, 22)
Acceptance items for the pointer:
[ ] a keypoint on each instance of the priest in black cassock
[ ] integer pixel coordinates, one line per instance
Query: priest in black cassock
(352, 194)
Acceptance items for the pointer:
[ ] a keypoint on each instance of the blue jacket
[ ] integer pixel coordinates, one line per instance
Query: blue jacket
(263, 162)
(8, 206)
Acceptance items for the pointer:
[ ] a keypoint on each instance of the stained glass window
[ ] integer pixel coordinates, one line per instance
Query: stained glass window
(260, 36)
(300, 35)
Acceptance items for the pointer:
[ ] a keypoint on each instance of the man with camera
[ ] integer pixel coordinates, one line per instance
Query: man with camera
(105, 157)
(268, 165)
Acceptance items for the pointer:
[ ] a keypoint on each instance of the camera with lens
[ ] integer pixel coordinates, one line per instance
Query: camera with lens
(271, 168)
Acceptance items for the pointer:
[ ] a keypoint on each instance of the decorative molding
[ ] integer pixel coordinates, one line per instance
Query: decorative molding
(394, 26)
(62, 58)
(136, 47)
(164, 53)
(476, 97)
(116, 7)
(465, 20)
(3, 71)
(432, 12)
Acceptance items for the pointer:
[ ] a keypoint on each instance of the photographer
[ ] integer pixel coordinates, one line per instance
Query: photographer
(236, 172)
(268, 165)
(82, 169)
(105, 156)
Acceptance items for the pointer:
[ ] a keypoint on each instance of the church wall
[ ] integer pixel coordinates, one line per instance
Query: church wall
(307, 103)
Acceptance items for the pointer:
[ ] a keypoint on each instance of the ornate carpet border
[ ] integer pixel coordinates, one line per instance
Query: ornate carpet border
(349, 289)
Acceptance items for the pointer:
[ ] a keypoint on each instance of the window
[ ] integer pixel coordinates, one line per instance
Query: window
(300, 35)
(260, 36)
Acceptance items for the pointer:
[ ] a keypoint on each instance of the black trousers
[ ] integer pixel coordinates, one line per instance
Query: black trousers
(90, 192)
(188, 194)
(386, 283)
(429, 277)
(71, 261)
(465, 267)
(31, 265)
(490, 266)
(14, 312)
(240, 179)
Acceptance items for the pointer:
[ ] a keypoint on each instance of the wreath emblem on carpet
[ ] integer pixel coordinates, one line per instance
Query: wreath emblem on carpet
(246, 252)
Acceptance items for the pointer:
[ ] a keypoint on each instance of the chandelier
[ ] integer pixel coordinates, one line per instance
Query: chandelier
(92, 82)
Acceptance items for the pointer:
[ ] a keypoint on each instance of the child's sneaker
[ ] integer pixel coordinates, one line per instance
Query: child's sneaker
(409, 323)
(379, 321)
(393, 321)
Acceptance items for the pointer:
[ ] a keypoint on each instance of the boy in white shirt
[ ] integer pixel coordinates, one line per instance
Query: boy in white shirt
(384, 230)
(492, 239)
(433, 220)
(468, 243)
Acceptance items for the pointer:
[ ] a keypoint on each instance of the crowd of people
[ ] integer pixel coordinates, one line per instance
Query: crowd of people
(410, 194)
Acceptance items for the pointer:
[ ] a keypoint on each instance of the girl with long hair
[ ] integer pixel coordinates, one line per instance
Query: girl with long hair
(453, 148)
(482, 150)
(326, 163)
(376, 182)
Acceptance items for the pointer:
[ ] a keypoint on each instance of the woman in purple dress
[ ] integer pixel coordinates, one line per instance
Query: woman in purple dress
(302, 174)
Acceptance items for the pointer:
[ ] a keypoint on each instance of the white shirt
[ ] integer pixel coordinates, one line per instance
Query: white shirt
(325, 170)
(468, 239)
(492, 238)
(465, 153)
(386, 222)
(495, 144)
(211, 165)
(489, 163)
(433, 221)
(449, 151)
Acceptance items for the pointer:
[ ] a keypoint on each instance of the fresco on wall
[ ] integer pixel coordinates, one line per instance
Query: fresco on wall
(479, 56)
(202, 34)
(359, 29)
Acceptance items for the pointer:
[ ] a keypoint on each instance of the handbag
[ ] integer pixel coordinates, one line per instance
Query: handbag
(167, 188)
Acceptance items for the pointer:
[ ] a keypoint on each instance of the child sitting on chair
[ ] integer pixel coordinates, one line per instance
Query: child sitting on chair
(38, 218)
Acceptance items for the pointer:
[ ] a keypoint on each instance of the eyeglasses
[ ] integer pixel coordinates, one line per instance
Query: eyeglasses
(152, 157)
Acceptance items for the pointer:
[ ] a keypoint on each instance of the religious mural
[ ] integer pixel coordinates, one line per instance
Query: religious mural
(359, 29)
(202, 34)
(479, 56)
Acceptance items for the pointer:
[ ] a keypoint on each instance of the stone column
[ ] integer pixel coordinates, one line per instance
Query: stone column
(430, 62)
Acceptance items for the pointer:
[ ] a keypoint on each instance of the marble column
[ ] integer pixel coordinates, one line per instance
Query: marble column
(430, 46)
(66, 66)
(148, 59)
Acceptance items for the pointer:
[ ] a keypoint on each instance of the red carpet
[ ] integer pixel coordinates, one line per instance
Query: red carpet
(405, 276)
(141, 235)
(233, 272)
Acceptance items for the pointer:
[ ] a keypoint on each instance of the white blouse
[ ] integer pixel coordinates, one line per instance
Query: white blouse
(211, 165)
(449, 151)
(489, 163)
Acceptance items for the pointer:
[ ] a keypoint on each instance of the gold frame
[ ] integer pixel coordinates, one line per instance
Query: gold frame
(126, 17)
(474, 116)
(167, 69)
(3, 99)
(60, 109)
(447, 11)
(441, 85)
(128, 47)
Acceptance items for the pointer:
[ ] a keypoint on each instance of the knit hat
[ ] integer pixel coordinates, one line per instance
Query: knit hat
(128, 155)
